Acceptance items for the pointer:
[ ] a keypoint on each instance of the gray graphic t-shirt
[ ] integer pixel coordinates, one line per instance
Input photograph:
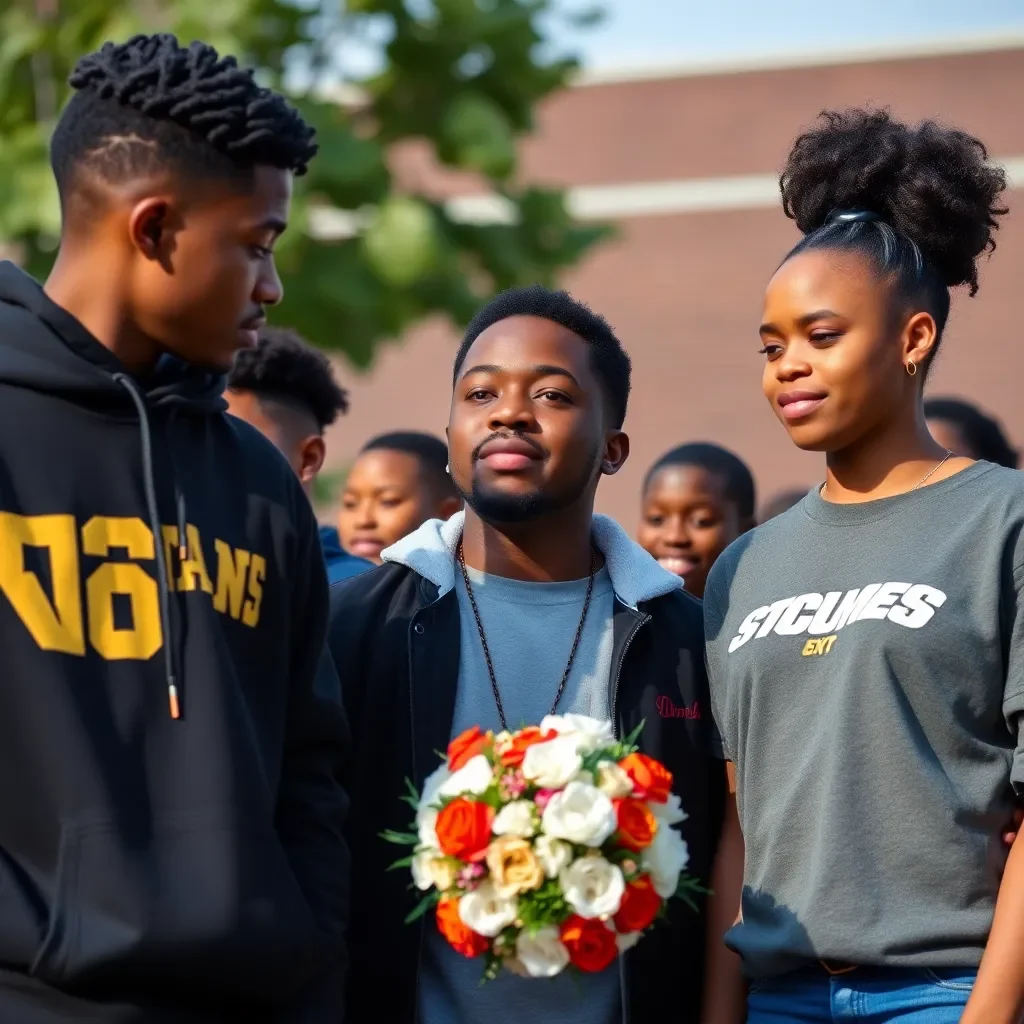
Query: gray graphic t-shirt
(867, 676)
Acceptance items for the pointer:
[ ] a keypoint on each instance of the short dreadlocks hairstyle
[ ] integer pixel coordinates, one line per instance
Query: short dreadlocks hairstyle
(283, 368)
(610, 361)
(150, 104)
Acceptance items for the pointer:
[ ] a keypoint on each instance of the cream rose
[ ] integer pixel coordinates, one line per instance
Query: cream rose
(486, 911)
(431, 871)
(553, 854)
(473, 777)
(611, 779)
(588, 734)
(542, 954)
(421, 870)
(513, 866)
(552, 764)
(518, 818)
(593, 887)
(580, 813)
(664, 859)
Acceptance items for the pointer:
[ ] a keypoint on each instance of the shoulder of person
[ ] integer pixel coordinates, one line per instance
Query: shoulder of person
(387, 592)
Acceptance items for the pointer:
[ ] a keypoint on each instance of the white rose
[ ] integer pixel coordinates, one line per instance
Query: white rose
(589, 734)
(432, 787)
(553, 854)
(542, 954)
(664, 859)
(627, 940)
(611, 779)
(592, 887)
(551, 765)
(473, 777)
(669, 813)
(426, 826)
(486, 912)
(516, 819)
(580, 813)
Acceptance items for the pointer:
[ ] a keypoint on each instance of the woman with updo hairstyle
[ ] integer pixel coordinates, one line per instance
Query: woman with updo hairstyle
(866, 647)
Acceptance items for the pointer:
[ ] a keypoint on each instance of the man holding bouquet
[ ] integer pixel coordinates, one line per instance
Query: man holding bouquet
(525, 606)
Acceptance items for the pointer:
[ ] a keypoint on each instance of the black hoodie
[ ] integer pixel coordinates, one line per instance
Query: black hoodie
(153, 868)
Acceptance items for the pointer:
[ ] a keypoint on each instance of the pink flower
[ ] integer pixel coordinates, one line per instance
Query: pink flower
(543, 797)
(512, 784)
(470, 876)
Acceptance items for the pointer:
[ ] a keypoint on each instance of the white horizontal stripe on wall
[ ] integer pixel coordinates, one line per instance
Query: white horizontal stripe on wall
(614, 202)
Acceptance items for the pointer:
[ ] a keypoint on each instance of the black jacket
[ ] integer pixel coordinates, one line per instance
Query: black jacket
(397, 648)
(155, 869)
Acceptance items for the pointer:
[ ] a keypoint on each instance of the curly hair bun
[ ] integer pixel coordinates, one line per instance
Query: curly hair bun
(932, 184)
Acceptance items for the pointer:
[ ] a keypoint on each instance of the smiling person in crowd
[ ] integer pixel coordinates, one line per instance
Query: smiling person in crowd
(399, 481)
(525, 605)
(697, 499)
(866, 648)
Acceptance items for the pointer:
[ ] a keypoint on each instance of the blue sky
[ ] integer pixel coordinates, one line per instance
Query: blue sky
(660, 31)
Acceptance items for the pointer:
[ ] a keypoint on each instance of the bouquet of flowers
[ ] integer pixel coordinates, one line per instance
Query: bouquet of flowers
(546, 848)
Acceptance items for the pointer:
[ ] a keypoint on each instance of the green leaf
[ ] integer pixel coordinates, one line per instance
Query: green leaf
(630, 740)
(427, 903)
(405, 862)
(687, 889)
(399, 838)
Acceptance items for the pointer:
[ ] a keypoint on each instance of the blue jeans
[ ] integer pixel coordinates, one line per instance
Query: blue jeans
(867, 995)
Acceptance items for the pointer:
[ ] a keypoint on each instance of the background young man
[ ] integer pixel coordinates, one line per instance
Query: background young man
(287, 391)
(172, 733)
(399, 481)
(540, 391)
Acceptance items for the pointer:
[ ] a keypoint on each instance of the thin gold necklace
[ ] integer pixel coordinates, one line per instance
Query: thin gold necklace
(920, 483)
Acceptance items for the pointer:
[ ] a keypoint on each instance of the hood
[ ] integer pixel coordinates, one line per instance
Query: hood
(44, 348)
(330, 541)
(635, 575)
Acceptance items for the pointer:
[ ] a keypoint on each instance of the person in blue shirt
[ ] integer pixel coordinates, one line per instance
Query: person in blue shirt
(286, 389)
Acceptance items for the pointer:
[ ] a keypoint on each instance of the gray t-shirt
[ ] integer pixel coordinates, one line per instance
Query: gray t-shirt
(867, 676)
(529, 629)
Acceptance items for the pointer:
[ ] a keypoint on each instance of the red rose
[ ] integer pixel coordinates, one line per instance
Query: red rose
(636, 824)
(466, 746)
(651, 779)
(514, 753)
(464, 829)
(591, 943)
(460, 936)
(639, 907)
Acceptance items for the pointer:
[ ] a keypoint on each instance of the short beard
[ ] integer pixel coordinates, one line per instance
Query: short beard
(496, 507)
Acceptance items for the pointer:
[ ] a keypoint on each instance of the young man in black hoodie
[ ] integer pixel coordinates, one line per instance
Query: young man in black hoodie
(472, 622)
(170, 813)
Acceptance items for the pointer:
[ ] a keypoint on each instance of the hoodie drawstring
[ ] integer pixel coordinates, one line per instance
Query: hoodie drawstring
(149, 484)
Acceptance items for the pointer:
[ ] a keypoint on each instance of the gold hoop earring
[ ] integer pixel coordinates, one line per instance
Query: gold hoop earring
(912, 368)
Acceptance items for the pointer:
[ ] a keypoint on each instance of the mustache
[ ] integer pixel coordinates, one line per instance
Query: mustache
(500, 436)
